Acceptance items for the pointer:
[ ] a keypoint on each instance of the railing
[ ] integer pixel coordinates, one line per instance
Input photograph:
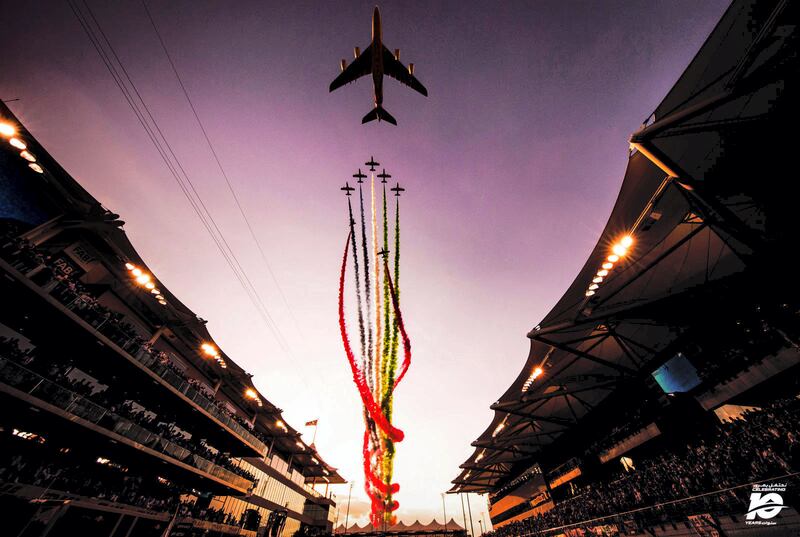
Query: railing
(196, 396)
(731, 500)
(34, 384)
(127, 343)
(280, 466)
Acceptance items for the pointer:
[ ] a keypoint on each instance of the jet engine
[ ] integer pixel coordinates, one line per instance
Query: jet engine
(397, 54)
(410, 68)
(357, 52)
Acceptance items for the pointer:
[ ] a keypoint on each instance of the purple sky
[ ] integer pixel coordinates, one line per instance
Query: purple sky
(511, 168)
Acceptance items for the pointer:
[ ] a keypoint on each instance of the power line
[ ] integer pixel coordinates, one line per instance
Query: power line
(159, 142)
(219, 163)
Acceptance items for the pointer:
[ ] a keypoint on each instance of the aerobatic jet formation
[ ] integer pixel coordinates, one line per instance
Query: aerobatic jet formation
(378, 60)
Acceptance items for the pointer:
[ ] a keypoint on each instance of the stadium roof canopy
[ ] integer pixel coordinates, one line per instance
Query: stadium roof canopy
(703, 202)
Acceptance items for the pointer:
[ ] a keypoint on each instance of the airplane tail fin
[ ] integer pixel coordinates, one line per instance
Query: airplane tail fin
(380, 114)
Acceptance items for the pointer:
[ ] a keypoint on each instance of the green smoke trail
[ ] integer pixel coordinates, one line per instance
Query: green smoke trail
(395, 339)
(387, 315)
(387, 401)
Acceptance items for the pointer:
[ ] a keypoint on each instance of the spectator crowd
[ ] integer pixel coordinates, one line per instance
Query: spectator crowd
(761, 444)
(159, 421)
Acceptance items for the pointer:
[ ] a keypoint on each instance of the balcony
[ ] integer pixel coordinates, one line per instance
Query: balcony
(33, 387)
(72, 305)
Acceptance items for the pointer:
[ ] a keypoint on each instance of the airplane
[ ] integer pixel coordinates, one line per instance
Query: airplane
(384, 252)
(347, 189)
(378, 60)
(372, 163)
(360, 176)
(396, 190)
(384, 176)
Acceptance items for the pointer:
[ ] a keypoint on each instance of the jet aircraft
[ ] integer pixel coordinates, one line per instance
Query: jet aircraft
(378, 60)
(384, 176)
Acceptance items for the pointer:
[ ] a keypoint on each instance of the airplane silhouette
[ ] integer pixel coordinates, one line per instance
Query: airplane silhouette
(378, 60)
(384, 176)
(398, 189)
(360, 176)
(347, 189)
(383, 253)
(372, 163)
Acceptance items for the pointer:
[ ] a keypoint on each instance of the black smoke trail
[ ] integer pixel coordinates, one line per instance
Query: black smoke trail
(358, 285)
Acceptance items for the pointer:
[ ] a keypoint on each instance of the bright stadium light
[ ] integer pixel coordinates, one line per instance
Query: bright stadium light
(589, 293)
(607, 265)
(210, 349)
(602, 273)
(251, 393)
(7, 129)
(499, 428)
(19, 144)
(613, 258)
(593, 287)
(156, 292)
(597, 279)
(136, 271)
(35, 167)
(130, 266)
(627, 241)
(27, 156)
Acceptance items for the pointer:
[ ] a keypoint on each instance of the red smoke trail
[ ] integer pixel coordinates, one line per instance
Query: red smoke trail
(401, 326)
(358, 376)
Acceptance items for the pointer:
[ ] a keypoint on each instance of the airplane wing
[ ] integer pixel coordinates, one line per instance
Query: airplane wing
(395, 69)
(360, 67)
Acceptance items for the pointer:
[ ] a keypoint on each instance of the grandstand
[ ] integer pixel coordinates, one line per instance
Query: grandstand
(121, 415)
(660, 392)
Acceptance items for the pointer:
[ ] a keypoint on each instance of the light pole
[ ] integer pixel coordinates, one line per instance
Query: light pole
(444, 510)
(469, 509)
(347, 515)
(463, 512)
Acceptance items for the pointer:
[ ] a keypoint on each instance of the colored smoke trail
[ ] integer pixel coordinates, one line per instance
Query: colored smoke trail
(380, 335)
(366, 396)
(368, 351)
(377, 349)
(358, 286)
(403, 334)
(392, 369)
(386, 378)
